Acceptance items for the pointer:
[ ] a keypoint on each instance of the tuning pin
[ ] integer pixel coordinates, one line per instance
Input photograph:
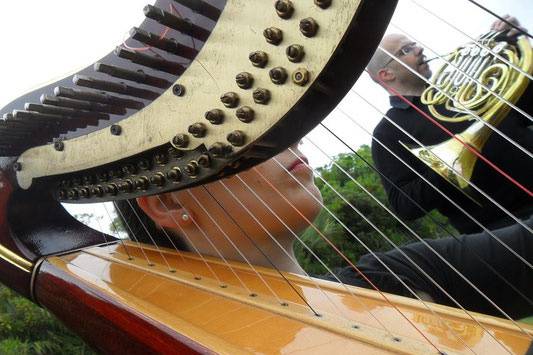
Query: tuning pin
(201, 7)
(176, 23)
(150, 61)
(119, 88)
(138, 76)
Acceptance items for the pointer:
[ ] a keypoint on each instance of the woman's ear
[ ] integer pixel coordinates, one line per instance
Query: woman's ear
(164, 211)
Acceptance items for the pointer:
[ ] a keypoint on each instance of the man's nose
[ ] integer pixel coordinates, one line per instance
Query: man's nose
(419, 50)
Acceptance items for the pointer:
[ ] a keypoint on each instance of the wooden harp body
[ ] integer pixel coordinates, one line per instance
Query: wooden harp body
(248, 92)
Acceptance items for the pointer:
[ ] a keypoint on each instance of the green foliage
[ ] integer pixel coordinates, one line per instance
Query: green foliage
(358, 198)
(117, 226)
(28, 329)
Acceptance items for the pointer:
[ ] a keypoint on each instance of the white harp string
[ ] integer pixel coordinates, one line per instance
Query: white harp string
(369, 250)
(418, 238)
(426, 212)
(472, 39)
(217, 251)
(462, 106)
(474, 186)
(295, 235)
(265, 229)
(213, 220)
(176, 249)
(258, 247)
(132, 234)
(149, 235)
(472, 218)
(456, 67)
(116, 231)
(189, 241)
(312, 225)
(107, 243)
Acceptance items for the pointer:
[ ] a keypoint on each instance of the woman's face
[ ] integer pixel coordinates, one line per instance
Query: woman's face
(249, 202)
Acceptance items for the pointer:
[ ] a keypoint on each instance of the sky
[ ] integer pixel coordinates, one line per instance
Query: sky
(44, 41)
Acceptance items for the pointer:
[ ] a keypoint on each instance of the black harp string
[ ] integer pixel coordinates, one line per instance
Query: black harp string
(293, 260)
(480, 45)
(312, 225)
(462, 106)
(132, 233)
(262, 252)
(416, 236)
(456, 205)
(426, 212)
(519, 29)
(474, 186)
(443, 58)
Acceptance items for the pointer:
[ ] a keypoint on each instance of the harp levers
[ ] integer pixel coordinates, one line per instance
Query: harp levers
(167, 300)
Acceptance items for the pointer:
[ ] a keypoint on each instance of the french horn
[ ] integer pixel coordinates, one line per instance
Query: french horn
(473, 85)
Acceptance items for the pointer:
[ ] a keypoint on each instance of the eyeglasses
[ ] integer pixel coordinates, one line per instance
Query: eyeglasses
(405, 50)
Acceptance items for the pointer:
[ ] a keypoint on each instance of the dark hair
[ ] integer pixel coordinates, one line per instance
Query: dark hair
(142, 228)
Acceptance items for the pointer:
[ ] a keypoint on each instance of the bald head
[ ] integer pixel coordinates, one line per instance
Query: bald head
(404, 70)
(391, 43)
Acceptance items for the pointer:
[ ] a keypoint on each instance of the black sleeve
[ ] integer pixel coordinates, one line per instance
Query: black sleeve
(403, 177)
(511, 290)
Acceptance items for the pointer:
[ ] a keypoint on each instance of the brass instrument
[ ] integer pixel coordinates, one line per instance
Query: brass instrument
(470, 82)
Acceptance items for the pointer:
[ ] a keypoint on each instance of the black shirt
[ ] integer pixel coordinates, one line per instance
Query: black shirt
(497, 150)
(465, 254)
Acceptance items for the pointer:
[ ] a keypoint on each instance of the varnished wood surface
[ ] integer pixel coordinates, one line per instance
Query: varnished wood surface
(102, 322)
(227, 320)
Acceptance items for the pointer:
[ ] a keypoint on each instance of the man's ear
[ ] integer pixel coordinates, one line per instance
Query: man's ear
(386, 75)
(164, 211)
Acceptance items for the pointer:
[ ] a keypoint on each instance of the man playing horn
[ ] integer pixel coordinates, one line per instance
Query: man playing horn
(400, 66)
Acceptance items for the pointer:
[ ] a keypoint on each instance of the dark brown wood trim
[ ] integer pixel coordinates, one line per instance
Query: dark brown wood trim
(105, 324)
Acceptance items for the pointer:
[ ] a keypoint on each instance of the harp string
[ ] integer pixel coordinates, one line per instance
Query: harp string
(482, 46)
(116, 231)
(149, 235)
(344, 257)
(417, 237)
(106, 242)
(213, 220)
(132, 233)
(473, 219)
(470, 183)
(444, 129)
(190, 242)
(521, 30)
(295, 235)
(456, 67)
(256, 245)
(217, 250)
(428, 215)
(324, 207)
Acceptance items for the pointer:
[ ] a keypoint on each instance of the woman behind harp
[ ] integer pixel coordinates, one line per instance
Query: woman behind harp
(283, 189)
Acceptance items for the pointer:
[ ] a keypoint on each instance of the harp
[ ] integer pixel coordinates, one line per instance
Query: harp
(267, 94)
